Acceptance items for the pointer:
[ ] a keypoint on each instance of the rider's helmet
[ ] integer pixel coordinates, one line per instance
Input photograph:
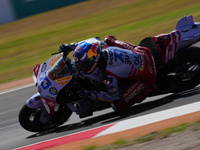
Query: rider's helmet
(87, 55)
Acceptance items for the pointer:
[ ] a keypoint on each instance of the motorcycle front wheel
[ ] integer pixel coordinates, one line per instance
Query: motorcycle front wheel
(29, 119)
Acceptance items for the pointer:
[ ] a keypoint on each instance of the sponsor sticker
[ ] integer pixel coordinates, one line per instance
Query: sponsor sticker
(64, 79)
(132, 94)
(54, 59)
(84, 56)
(142, 63)
(46, 84)
(44, 66)
(110, 55)
(30, 102)
(37, 98)
(93, 51)
(51, 96)
(53, 91)
(64, 82)
(51, 104)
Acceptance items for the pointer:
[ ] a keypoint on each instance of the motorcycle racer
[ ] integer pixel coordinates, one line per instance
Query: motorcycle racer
(113, 71)
(112, 60)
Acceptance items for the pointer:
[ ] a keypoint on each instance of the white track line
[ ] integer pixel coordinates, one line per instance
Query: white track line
(16, 88)
(151, 118)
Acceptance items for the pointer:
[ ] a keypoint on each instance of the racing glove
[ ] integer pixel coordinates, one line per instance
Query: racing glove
(67, 48)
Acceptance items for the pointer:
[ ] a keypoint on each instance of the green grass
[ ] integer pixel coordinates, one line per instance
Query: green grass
(162, 134)
(196, 126)
(90, 147)
(30, 41)
(117, 144)
(120, 142)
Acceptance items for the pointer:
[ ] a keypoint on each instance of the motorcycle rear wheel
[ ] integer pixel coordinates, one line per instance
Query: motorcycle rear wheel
(189, 55)
(29, 119)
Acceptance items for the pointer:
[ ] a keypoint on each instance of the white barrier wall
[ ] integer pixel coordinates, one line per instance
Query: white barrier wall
(6, 12)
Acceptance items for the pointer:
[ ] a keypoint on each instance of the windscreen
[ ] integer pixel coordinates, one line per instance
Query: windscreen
(59, 69)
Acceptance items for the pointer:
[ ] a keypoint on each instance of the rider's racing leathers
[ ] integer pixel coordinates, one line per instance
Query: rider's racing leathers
(121, 60)
(126, 61)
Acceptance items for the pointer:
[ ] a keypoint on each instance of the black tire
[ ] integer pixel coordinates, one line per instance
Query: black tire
(191, 54)
(34, 124)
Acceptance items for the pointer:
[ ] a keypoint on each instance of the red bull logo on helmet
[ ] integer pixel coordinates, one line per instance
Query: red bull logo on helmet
(93, 51)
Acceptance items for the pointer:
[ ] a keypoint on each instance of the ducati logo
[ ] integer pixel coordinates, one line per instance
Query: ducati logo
(133, 92)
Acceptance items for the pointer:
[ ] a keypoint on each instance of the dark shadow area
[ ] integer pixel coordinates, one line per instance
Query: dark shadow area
(114, 117)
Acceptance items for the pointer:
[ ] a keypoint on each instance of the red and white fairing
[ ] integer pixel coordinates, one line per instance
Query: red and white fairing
(186, 33)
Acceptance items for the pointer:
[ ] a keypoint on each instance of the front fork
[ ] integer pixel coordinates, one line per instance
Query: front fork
(35, 102)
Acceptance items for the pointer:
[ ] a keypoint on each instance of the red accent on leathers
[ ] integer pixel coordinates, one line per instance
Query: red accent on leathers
(112, 41)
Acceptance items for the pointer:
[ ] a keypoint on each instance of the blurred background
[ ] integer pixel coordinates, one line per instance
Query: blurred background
(30, 30)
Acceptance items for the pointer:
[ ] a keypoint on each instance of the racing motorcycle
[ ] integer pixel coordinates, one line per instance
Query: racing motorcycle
(59, 83)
